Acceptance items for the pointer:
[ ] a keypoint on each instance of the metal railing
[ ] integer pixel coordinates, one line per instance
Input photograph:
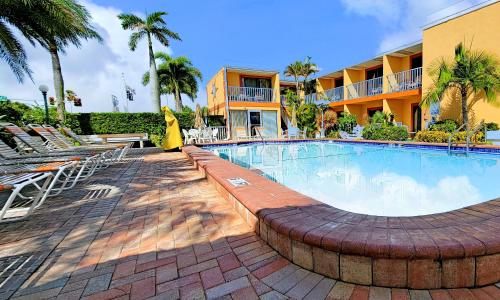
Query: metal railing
(250, 94)
(365, 88)
(452, 135)
(221, 132)
(405, 80)
(335, 94)
(310, 98)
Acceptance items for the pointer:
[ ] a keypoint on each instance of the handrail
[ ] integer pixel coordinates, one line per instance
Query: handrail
(257, 129)
(471, 133)
(450, 138)
(405, 80)
(250, 94)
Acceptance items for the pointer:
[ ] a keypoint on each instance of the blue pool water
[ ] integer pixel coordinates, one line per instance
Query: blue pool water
(374, 179)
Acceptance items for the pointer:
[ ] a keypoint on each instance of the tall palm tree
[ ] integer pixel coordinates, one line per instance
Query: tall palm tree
(152, 27)
(54, 24)
(469, 73)
(176, 76)
(308, 69)
(294, 70)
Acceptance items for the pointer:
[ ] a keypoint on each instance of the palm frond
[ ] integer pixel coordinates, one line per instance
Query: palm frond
(155, 18)
(12, 52)
(135, 37)
(131, 21)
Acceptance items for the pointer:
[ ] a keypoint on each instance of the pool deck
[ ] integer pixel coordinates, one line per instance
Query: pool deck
(456, 249)
(157, 228)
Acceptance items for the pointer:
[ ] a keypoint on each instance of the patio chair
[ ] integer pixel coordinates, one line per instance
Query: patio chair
(195, 133)
(74, 136)
(205, 135)
(294, 132)
(188, 138)
(25, 191)
(67, 141)
(215, 132)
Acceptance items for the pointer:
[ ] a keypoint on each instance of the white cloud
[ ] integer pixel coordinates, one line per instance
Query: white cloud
(93, 71)
(402, 20)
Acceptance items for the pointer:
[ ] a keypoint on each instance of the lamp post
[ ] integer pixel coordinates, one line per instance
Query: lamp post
(44, 89)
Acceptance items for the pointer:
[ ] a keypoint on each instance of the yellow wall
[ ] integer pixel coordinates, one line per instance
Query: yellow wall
(352, 76)
(215, 103)
(391, 65)
(481, 27)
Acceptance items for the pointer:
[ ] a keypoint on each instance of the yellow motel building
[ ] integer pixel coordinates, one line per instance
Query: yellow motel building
(393, 82)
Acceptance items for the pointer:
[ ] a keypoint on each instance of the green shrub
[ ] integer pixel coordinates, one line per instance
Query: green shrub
(346, 122)
(333, 134)
(433, 136)
(306, 118)
(385, 132)
(444, 125)
(491, 126)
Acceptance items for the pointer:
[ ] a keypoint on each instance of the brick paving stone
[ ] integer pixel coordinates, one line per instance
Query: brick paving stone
(143, 289)
(247, 293)
(166, 273)
(279, 275)
(360, 292)
(211, 277)
(97, 284)
(227, 288)
(198, 267)
(321, 290)
(235, 273)
(341, 291)
(290, 281)
(400, 294)
(379, 293)
(420, 295)
(192, 291)
(178, 283)
(228, 262)
(273, 295)
(304, 286)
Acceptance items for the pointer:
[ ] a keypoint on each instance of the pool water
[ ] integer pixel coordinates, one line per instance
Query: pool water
(374, 179)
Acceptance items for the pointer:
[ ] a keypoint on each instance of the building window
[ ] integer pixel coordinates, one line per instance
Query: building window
(256, 82)
(416, 62)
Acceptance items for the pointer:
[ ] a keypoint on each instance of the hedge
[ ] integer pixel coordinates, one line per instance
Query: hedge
(433, 136)
(385, 132)
(99, 123)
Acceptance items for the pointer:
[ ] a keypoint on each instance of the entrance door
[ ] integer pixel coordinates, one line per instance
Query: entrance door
(254, 120)
(416, 112)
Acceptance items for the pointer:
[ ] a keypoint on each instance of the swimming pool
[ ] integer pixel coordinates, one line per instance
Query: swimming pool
(374, 179)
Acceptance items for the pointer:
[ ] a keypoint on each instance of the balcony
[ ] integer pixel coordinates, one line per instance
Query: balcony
(335, 94)
(250, 94)
(365, 88)
(405, 80)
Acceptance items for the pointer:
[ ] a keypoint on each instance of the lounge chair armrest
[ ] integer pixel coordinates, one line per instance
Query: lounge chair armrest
(51, 167)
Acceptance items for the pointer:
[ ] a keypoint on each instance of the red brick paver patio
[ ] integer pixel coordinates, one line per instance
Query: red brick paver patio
(155, 228)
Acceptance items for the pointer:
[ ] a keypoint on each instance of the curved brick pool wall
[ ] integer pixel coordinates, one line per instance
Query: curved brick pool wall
(460, 248)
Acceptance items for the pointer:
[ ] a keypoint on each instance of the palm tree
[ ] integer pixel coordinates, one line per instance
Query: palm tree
(152, 27)
(294, 70)
(470, 73)
(54, 24)
(176, 76)
(308, 68)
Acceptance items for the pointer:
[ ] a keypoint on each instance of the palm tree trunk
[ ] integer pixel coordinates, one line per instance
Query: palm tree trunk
(178, 99)
(153, 75)
(58, 82)
(465, 116)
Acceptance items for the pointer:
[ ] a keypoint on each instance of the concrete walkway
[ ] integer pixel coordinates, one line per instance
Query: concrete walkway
(155, 228)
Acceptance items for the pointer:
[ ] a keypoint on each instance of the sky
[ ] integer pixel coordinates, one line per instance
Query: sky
(264, 34)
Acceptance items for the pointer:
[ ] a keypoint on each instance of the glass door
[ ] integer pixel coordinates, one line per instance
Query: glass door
(254, 120)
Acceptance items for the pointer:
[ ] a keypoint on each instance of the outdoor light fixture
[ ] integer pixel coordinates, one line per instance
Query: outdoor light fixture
(44, 89)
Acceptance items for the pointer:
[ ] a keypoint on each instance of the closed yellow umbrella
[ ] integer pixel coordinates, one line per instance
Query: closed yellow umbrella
(173, 137)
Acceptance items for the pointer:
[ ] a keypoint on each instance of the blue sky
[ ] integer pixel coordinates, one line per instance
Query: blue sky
(267, 34)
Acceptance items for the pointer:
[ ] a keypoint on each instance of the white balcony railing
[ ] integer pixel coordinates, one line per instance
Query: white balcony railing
(250, 94)
(365, 88)
(405, 80)
(335, 94)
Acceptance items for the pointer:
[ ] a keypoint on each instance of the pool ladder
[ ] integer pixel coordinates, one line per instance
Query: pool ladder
(467, 139)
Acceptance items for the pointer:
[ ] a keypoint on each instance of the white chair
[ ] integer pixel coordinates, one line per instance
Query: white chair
(215, 133)
(205, 135)
(188, 138)
(194, 133)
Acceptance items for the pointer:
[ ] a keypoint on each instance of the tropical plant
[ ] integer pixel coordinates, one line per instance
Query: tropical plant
(54, 24)
(308, 69)
(293, 102)
(470, 73)
(491, 126)
(346, 121)
(386, 132)
(176, 76)
(381, 118)
(444, 125)
(306, 118)
(153, 26)
(294, 70)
